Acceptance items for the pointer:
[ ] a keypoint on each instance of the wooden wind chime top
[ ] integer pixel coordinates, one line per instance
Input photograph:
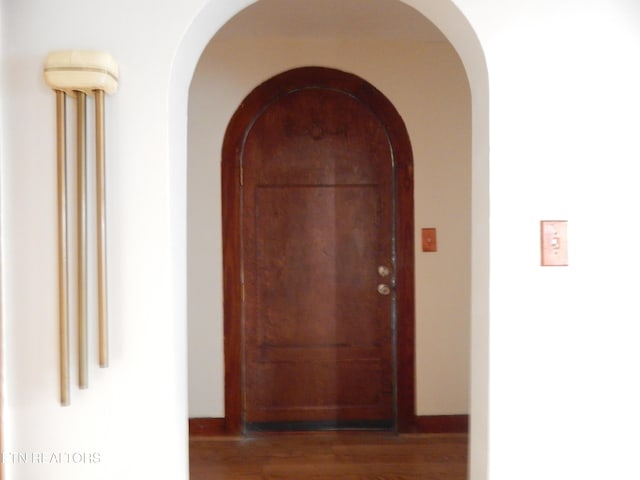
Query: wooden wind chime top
(81, 70)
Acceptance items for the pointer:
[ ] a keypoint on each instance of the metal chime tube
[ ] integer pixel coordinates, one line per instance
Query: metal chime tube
(103, 352)
(83, 357)
(63, 275)
(79, 73)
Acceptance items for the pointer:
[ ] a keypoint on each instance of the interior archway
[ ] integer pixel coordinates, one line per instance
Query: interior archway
(463, 39)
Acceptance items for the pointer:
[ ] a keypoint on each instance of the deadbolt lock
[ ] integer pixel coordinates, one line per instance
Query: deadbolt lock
(383, 271)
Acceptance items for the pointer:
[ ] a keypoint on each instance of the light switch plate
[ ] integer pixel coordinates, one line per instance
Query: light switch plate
(554, 247)
(429, 241)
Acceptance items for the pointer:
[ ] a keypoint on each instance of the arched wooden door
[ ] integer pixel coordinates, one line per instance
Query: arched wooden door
(318, 257)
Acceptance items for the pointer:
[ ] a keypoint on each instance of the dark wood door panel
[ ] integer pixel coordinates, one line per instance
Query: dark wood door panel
(320, 158)
(317, 223)
(326, 391)
(313, 275)
(316, 136)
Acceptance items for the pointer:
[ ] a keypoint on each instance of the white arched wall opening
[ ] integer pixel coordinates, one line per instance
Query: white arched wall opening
(457, 29)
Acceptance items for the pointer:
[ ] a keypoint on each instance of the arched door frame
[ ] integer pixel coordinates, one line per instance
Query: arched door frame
(446, 15)
(385, 112)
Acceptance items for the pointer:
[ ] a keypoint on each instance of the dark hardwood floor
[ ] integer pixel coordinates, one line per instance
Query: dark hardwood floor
(330, 456)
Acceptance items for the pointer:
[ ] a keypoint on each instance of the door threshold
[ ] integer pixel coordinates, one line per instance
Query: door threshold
(320, 426)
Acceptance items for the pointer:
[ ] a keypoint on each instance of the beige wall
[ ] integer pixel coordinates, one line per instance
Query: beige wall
(427, 84)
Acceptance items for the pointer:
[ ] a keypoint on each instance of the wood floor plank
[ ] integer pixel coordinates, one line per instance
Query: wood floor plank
(330, 456)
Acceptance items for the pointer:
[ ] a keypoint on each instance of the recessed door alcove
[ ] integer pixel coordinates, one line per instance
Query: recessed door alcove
(222, 79)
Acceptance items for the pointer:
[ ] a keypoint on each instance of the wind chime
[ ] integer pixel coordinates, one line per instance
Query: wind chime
(79, 75)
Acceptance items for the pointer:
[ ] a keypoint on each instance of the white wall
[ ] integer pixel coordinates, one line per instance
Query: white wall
(134, 412)
(564, 145)
(563, 386)
(427, 83)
